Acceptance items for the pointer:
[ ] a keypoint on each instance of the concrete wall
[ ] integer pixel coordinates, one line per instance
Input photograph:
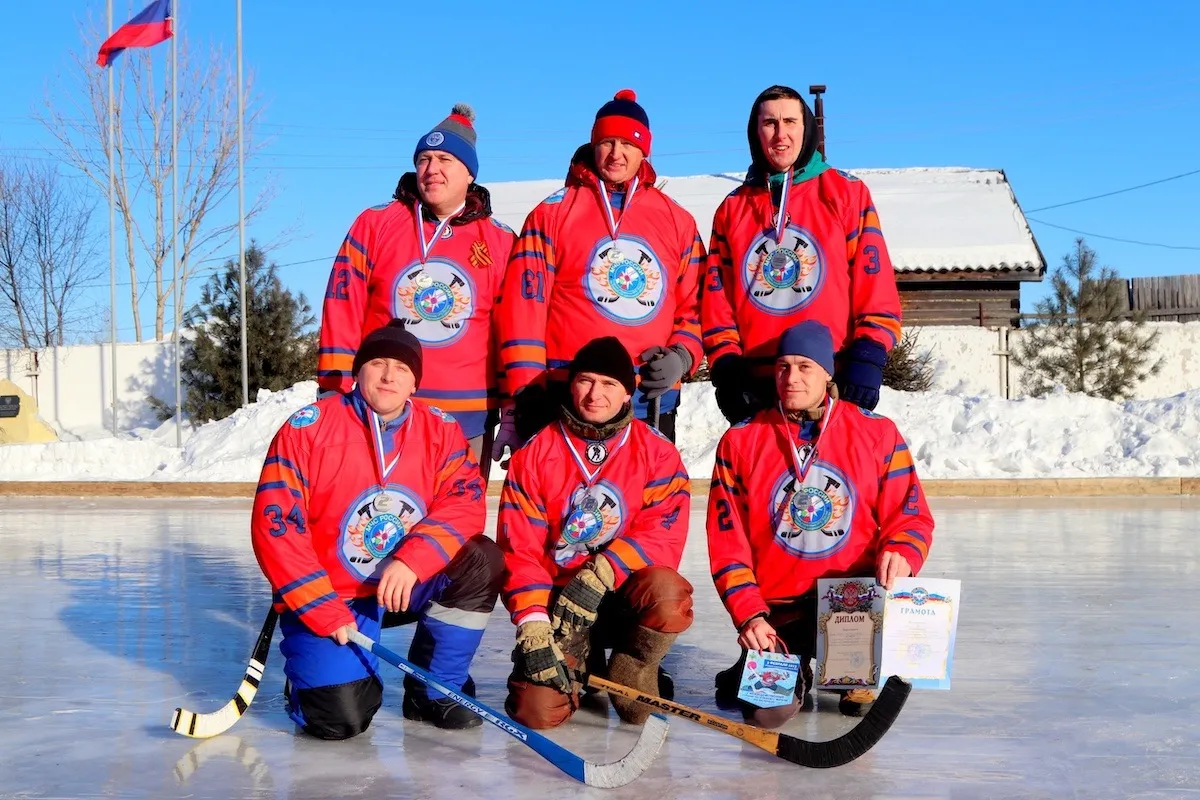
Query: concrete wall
(74, 394)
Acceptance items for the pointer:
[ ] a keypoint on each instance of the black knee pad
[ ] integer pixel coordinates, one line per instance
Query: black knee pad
(476, 574)
(341, 711)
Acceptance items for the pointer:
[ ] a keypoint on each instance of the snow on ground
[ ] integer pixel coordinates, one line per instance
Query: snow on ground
(951, 435)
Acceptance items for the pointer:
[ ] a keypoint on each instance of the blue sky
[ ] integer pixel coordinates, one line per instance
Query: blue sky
(1071, 99)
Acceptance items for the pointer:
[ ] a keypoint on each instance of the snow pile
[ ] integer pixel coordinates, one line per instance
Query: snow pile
(951, 434)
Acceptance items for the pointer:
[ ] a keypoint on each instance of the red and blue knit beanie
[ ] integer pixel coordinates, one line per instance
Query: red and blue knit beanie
(623, 118)
(456, 136)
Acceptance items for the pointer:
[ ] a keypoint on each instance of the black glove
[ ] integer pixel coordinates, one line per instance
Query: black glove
(574, 610)
(860, 373)
(534, 408)
(731, 378)
(663, 367)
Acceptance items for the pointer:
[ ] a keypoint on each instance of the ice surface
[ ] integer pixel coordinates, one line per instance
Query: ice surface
(1074, 672)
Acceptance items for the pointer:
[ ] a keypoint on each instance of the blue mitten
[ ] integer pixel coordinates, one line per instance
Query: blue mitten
(860, 373)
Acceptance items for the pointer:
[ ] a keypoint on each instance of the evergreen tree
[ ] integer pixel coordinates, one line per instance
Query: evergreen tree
(908, 369)
(281, 347)
(1082, 339)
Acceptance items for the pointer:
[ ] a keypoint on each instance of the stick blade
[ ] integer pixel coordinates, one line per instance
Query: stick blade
(637, 761)
(854, 742)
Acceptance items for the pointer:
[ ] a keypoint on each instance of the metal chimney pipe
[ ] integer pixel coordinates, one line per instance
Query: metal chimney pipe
(819, 112)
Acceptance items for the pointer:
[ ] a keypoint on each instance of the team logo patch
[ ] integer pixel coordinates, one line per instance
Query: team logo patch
(782, 278)
(596, 452)
(305, 417)
(435, 300)
(625, 280)
(813, 518)
(373, 527)
(442, 415)
(434, 139)
(594, 517)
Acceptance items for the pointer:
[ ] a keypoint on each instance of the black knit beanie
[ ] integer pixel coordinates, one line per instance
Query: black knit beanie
(605, 356)
(391, 341)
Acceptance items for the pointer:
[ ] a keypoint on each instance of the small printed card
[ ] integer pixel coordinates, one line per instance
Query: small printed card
(769, 679)
(849, 633)
(918, 639)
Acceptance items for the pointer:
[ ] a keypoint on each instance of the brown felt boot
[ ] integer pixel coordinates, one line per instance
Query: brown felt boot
(635, 664)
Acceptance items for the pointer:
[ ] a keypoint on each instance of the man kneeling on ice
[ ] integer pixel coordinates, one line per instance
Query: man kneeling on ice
(369, 513)
(593, 519)
(811, 488)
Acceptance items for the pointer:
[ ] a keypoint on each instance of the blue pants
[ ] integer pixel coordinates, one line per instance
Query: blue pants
(333, 691)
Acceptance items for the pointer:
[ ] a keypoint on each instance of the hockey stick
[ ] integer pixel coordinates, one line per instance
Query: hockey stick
(604, 776)
(202, 726)
(820, 755)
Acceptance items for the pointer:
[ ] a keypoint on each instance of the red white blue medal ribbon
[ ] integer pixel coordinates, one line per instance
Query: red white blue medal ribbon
(613, 224)
(781, 217)
(427, 247)
(589, 475)
(802, 464)
(385, 469)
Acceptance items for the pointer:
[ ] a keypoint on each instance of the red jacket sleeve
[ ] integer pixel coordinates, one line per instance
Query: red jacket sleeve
(523, 531)
(729, 555)
(686, 332)
(528, 283)
(344, 308)
(657, 533)
(875, 301)
(719, 328)
(456, 513)
(905, 522)
(282, 544)
(495, 358)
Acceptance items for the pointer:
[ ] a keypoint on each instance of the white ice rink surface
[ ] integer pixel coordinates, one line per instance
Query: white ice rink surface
(1075, 673)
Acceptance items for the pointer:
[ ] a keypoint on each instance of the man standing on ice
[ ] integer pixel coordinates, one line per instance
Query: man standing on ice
(434, 257)
(370, 503)
(593, 520)
(609, 254)
(796, 241)
(810, 488)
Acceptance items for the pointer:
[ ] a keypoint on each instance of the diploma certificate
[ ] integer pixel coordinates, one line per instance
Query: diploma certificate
(921, 617)
(849, 623)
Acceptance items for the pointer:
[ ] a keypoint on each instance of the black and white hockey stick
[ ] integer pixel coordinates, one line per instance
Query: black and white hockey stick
(821, 755)
(202, 726)
(604, 776)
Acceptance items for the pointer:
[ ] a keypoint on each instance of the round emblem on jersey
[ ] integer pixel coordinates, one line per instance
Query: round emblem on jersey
(434, 139)
(811, 508)
(435, 300)
(374, 525)
(813, 518)
(594, 516)
(382, 534)
(782, 278)
(624, 280)
(596, 452)
(305, 417)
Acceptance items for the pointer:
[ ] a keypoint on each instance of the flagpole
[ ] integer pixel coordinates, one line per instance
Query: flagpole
(112, 240)
(175, 279)
(241, 207)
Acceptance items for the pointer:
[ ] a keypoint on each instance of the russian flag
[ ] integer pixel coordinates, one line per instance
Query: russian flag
(151, 26)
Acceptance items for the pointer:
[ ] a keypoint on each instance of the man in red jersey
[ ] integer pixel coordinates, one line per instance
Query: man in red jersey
(441, 276)
(810, 488)
(593, 520)
(796, 241)
(609, 254)
(369, 513)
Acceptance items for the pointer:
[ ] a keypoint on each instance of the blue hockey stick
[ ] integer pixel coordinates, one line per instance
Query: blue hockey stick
(604, 776)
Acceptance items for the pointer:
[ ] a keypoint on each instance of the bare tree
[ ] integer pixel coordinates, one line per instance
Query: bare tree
(47, 254)
(77, 116)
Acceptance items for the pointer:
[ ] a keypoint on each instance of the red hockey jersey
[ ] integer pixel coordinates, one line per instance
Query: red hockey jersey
(552, 519)
(834, 268)
(770, 537)
(321, 523)
(568, 283)
(447, 301)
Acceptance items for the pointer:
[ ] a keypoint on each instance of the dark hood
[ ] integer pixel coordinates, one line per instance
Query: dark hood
(759, 166)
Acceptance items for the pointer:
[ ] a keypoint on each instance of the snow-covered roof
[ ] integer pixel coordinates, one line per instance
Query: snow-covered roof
(935, 219)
